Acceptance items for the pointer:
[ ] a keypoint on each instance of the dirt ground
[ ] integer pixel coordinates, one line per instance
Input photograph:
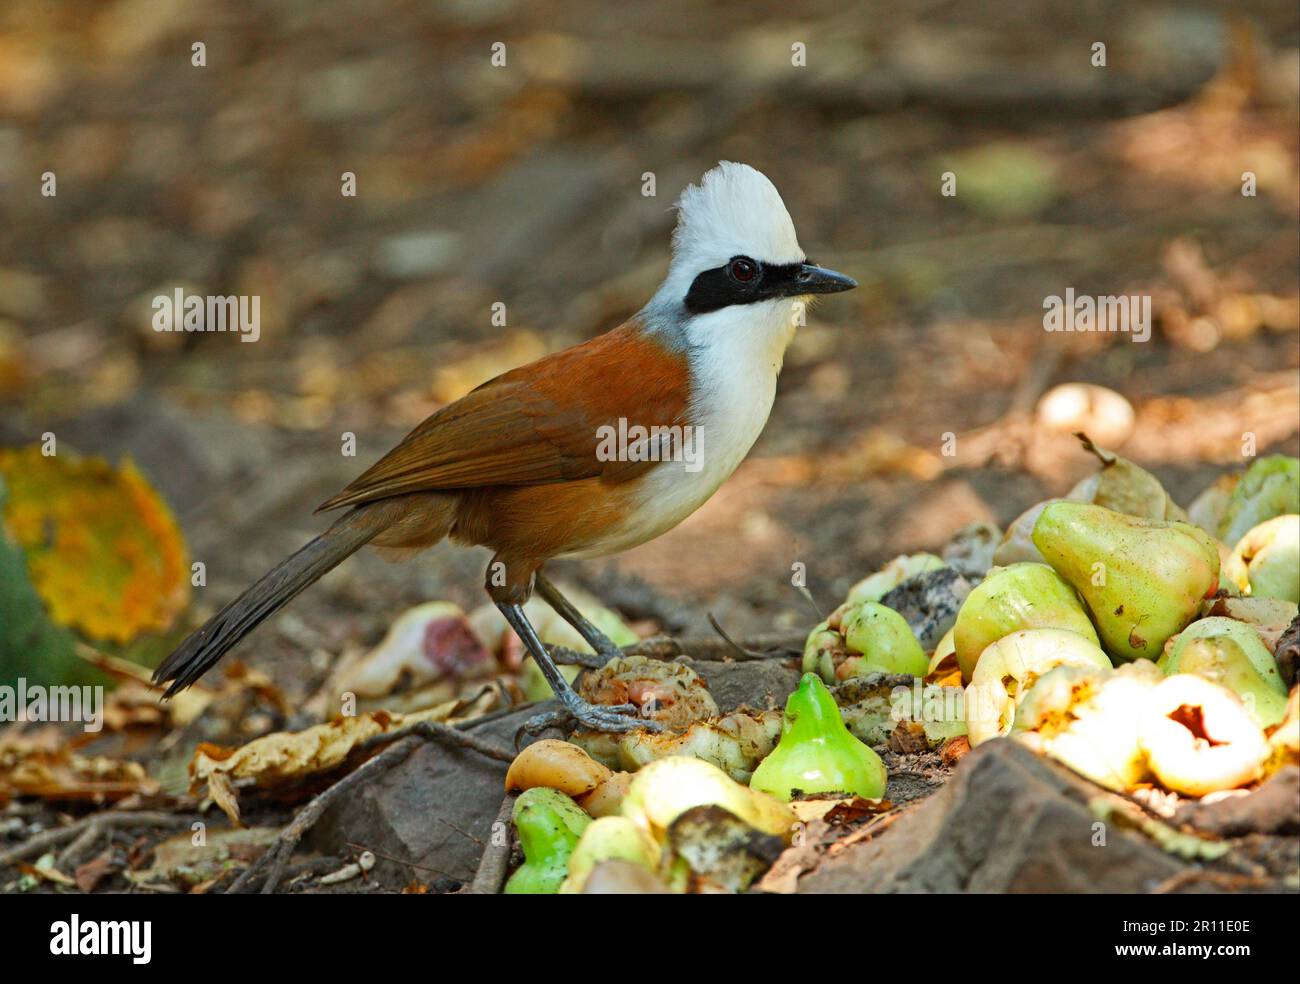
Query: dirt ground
(905, 410)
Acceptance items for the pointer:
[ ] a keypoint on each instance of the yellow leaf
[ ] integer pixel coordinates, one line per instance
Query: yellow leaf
(103, 550)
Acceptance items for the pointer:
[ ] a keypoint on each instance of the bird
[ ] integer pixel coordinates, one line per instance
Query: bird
(585, 452)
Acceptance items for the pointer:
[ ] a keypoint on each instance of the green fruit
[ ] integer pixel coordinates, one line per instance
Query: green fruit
(816, 753)
(1231, 654)
(605, 839)
(1143, 579)
(1266, 561)
(1021, 596)
(884, 639)
(1270, 487)
(549, 825)
(819, 651)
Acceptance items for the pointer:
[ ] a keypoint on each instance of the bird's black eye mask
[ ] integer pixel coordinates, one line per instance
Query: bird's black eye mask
(742, 281)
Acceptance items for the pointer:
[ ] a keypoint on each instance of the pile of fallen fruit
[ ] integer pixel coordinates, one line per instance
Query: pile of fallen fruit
(1101, 698)
(1145, 649)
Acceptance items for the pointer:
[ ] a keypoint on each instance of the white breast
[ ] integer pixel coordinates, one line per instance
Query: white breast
(736, 356)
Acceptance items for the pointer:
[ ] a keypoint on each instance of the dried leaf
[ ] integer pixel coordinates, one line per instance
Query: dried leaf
(287, 757)
(28, 768)
(90, 874)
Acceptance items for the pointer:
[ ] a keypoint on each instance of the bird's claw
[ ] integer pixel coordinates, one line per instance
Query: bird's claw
(594, 717)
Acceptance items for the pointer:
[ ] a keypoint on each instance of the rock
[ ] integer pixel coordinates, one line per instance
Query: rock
(1273, 808)
(929, 602)
(759, 684)
(427, 810)
(1007, 821)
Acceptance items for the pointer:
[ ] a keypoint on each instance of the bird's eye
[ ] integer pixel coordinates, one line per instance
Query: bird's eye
(743, 269)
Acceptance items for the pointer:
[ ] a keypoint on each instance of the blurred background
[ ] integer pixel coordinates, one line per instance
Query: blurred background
(906, 410)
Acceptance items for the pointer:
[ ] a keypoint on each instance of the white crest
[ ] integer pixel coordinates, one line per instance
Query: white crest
(733, 211)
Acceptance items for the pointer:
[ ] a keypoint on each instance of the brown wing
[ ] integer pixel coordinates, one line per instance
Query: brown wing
(536, 424)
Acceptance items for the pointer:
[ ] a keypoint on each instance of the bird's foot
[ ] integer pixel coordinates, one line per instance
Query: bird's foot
(571, 657)
(592, 717)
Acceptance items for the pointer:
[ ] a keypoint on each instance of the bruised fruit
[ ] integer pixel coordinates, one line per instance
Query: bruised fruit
(1022, 596)
(1270, 487)
(549, 826)
(875, 586)
(1008, 668)
(1198, 738)
(1269, 617)
(1266, 561)
(1087, 718)
(970, 551)
(735, 742)
(1143, 579)
(664, 790)
(1125, 487)
(816, 753)
(1231, 654)
(606, 839)
(884, 639)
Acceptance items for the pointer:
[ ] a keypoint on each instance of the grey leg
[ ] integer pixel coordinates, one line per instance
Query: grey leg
(597, 717)
(597, 640)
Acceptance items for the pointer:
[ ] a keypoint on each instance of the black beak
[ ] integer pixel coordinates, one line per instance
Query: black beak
(817, 280)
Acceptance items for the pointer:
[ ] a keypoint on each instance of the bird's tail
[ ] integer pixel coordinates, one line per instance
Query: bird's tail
(204, 647)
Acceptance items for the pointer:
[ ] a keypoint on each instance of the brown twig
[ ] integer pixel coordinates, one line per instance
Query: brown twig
(71, 855)
(712, 650)
(491, 874)
(74, 831)
(276, 856)
(447, 735)
(739, 651)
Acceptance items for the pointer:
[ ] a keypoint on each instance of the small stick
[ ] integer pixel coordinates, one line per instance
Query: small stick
(741, 652)
(491, 874)
(80, 847)
(716, 650)
(447, 735)
(49, 838)
(277, 856)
